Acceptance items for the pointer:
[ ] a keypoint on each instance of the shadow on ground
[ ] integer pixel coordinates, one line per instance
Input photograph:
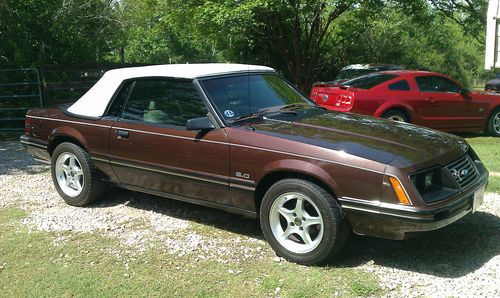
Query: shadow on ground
(13, 158)
(453, 251)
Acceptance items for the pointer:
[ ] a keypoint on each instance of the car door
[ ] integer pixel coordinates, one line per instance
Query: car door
(442, 104)
(151, 150)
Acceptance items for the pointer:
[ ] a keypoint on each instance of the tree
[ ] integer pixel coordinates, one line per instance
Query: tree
(62, 31)
(469, 14)
(153, 31)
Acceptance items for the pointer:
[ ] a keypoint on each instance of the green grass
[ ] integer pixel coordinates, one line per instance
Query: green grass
(83, 266)
(488, 149)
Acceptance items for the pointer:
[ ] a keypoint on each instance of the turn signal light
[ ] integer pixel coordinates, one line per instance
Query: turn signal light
(400, 193)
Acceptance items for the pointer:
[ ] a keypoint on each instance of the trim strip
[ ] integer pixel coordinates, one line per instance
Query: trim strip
(210, 204)
(100, 159)
(217, 142)
(34, 144)
(242, 187)
(170, 173)
(68, 121)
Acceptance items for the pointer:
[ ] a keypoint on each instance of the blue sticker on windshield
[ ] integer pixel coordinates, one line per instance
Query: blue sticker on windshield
(229, 113)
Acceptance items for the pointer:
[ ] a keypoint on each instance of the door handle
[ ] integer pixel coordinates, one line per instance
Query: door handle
(430, 99)
(122, 133)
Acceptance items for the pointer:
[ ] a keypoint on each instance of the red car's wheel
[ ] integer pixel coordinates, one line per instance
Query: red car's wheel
(494, 123)
(396, 115)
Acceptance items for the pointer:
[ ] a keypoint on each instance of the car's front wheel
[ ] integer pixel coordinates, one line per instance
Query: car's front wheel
(494, 123)
(74, 175)
(302, 221)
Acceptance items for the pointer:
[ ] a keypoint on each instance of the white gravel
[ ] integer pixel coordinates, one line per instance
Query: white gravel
(461, 260)
(138, 221)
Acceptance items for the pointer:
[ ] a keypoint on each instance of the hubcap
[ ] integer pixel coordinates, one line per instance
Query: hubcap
(396, 118)
(69, 174)
(496, 123)
(296, 222)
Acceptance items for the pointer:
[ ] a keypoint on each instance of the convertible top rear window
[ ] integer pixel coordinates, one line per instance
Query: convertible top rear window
(369, 81)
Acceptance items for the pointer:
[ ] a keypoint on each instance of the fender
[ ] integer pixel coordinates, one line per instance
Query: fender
(300, 167)
(389, 105)
(69, 132)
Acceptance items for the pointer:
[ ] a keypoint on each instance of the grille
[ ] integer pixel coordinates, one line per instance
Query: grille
(463, 171)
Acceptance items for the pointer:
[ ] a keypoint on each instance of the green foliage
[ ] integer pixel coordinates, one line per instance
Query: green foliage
(154, 32)
(57, 31)
(427, 40)
(306, 40)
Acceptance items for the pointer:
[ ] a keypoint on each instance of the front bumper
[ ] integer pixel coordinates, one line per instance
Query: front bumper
(395, 221)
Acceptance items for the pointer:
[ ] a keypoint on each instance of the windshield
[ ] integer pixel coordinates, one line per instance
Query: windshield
(243, 95)
(347, 74)
(369, 81)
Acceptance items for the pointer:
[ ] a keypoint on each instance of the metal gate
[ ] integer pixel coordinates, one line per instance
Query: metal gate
(20, 90)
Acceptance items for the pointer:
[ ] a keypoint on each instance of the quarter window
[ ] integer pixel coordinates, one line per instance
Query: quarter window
(118, 104)
(400, 86)
(436, 84)
(170, 102)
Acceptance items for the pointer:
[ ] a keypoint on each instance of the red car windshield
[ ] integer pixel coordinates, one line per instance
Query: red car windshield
(369, 81)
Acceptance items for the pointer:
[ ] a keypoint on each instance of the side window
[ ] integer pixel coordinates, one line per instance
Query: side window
(400, 86)
(118, 104)
(436, 84)
(162, 101)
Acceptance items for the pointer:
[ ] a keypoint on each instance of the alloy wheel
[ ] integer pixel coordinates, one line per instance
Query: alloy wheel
(396, 118)
(69, 174)
(496, 123)
(296, 222)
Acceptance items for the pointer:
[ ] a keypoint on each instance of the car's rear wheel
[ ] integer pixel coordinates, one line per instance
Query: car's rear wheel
(494, 123)
(302, 221)
(74, 175)
(396, 115)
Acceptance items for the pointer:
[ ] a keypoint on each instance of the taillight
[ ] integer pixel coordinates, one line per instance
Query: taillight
(343, 101)
(27, 126)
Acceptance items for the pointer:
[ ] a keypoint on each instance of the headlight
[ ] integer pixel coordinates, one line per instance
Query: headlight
(434, 184)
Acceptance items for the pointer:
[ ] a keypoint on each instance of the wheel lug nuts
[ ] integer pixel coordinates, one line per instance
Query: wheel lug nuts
(303, 219)
(294, 214)
(292, 224)
(301, 228)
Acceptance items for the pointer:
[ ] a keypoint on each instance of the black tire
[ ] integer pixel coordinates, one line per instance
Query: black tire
(396, 115)
(92, 187)
(494, 122)
(335, 227)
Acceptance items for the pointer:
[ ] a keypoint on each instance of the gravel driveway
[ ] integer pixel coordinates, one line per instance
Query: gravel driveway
(460, 260)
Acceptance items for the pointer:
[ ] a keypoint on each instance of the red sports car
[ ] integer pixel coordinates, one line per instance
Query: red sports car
(420, 97)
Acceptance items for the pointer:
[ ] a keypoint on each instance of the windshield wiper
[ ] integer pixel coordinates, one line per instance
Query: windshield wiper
(293, 106)
(267, 111)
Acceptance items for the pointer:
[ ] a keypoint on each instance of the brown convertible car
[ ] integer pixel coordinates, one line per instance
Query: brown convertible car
(242, 139)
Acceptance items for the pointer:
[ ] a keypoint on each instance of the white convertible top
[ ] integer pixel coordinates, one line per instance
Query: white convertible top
(94, 102)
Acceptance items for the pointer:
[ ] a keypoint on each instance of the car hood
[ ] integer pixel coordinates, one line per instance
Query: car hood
(376, 139)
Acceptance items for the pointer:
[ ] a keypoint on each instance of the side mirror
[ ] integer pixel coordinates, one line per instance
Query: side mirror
(202, 123)
(464, 91)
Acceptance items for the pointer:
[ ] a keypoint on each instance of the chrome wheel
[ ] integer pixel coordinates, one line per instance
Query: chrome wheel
(296, 222)
(69, 174)
(396, 118)
(496, 123)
